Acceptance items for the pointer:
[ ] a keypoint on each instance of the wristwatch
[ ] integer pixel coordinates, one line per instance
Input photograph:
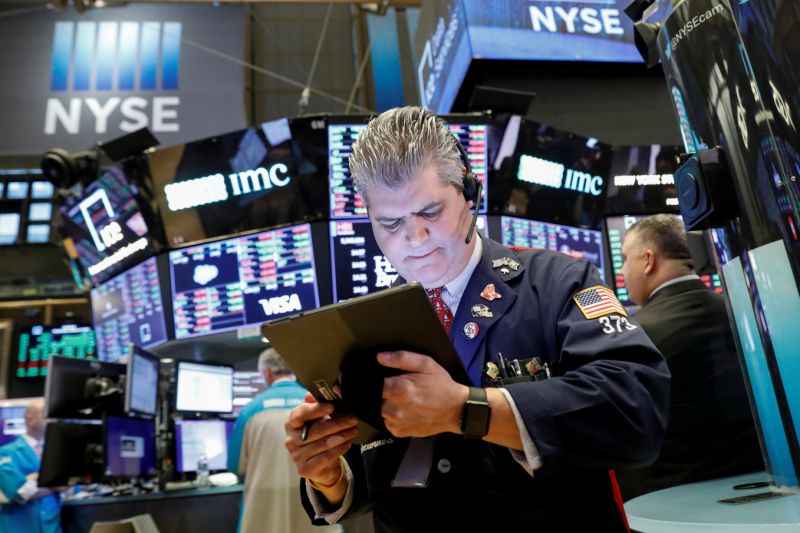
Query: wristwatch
(476, 414)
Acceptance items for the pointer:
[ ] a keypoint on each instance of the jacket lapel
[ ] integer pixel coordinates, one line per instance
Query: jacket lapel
(472, 304)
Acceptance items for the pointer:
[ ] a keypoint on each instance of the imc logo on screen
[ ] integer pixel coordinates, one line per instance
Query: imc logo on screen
(107, 74)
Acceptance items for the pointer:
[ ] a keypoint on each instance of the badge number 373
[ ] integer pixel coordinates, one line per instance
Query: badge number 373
(615, 324)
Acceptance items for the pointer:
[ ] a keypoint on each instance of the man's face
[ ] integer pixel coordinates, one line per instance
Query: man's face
(34, 420)
(633, 266)
(421, 228)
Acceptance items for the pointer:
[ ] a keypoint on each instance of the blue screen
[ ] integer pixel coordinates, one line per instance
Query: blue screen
(128, 310)
(232, 283)
(576, 242)
(130, 447)
(12, 419)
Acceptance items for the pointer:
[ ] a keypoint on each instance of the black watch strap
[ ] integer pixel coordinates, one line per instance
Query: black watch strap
(476, 414)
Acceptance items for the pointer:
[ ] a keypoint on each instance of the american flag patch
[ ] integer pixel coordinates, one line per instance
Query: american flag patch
(598, 301)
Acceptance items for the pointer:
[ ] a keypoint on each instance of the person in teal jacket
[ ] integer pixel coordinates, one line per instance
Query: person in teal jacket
(271, 499)
(24, 506)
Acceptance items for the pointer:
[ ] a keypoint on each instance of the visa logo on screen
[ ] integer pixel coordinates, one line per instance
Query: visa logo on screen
(550, 174)
(280, 304)
(575, 19)
(114, 57)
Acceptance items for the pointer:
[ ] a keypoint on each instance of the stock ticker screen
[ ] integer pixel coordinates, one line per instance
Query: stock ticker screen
(616, 228)
(232, 283)
(37, 343)
(576, 242)
(128, 309)
(347, 203)
(106, 226)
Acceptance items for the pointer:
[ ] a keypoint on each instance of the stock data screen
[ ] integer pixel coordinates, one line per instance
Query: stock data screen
(127, 310)
(232, 283)
(37, 343)
(357, 264)
(106, 226)
(576, 242)
(347, 203)
(617, 228)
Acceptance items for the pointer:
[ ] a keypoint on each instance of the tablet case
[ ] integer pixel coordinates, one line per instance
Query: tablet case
(317, 345)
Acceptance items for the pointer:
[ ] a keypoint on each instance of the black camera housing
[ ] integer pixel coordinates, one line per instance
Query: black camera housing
(705, 190)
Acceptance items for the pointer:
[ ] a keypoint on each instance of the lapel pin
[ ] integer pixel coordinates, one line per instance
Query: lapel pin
(504, 271)
(489, 293)
(481, 311)
(470, 330)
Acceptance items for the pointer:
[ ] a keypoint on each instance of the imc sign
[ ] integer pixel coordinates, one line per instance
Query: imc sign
(72, 80)
(92, 57)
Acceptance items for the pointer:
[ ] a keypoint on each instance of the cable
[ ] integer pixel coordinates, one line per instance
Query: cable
(361, 67)
(304, 96)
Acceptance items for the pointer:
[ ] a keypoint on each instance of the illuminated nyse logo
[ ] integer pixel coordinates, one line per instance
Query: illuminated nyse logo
(280, 304)
(213, 188)
(543, 172)
(574, 19)
(116, 57)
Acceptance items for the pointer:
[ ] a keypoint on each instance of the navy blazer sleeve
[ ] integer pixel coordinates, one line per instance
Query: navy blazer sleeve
(606, 407)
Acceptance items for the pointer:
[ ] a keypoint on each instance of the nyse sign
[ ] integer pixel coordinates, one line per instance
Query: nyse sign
(129, 114)
(591, 20)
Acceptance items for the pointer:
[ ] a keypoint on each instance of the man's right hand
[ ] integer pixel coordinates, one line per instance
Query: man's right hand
(329, 437)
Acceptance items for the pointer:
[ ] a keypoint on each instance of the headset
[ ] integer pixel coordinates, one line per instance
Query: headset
(473, 188)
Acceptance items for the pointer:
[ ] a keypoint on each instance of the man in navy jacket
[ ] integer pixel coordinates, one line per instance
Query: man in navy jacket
(532, 455)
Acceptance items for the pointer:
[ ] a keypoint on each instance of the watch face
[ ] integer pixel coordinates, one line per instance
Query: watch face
(476, 415)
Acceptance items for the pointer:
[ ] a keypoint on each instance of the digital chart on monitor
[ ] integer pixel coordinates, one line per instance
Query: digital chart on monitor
(128, 309)
(580, 243)
(246, 280)
(105, 224)
(617, 227)
(37, 343)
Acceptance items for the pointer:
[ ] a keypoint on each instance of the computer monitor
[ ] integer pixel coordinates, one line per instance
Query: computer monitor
(224, 285)
(204, 388)
(128, 310)
(104, 223)
(343, 132)
(71, 449)
(616, 229)
(580, 243)
(194, 437)
(81, 388)
(36, 344)
(129, 446)
(141, 385)
(246, 386)
(12, 418)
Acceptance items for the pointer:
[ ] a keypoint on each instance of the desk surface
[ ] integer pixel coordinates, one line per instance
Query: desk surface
(169, 494)
(694, 508)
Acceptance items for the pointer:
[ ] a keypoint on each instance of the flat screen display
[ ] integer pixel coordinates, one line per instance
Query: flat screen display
(246, 386)
(616, 228)
(642, 180)
(12, 420)
(141, 391)
(196, 437)
(232, 283)
(106, 226)
(550, 175)
(264, 176)
(130, 447)
(204, 388)
(9, 228)
(128, 309)
(347, 203)
(579, 243)
(36, 344)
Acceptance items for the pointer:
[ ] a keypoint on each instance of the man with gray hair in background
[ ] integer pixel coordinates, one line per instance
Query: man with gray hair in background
(271, 498)
(710, 433)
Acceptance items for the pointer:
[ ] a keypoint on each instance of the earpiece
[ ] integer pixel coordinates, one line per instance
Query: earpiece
(473, 188)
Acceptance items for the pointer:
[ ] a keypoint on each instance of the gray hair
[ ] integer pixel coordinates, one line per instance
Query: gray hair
(667, 235)
(399, 144)
(269, 358)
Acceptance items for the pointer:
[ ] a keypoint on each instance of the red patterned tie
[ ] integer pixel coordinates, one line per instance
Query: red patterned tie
(442, 311)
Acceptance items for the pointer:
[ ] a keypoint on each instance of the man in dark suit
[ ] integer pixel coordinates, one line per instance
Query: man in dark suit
(532, 455)
(710, 433)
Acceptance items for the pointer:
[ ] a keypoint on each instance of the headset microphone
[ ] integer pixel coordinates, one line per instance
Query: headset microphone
(476, 206)
(473, 188)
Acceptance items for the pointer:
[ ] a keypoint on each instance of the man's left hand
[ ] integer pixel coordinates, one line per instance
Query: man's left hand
(422, 402)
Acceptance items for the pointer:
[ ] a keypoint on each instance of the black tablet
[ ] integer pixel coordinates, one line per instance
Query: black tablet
(317, 345)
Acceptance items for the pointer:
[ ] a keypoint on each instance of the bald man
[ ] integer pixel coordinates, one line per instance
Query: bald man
(24, 506)
(710, 432)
